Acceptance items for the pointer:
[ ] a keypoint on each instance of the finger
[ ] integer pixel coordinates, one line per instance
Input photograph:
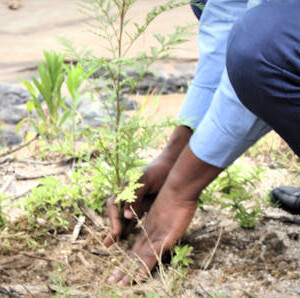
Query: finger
(128, 214)
(114, 217)
(125, 281)
(116, 225)
(109, 240)
(140, 208)
(148, 201)
(116, 276)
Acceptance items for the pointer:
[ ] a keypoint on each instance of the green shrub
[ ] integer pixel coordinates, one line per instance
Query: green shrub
(46, 98)
(49, 202)
(234, 189)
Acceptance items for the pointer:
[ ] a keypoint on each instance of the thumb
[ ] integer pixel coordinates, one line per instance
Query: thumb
(128, 214)
(116, 226)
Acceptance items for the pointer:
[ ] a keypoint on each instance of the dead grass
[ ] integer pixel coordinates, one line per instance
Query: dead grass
(263, 262)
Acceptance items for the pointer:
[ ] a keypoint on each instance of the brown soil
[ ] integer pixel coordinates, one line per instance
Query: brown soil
(228, 261)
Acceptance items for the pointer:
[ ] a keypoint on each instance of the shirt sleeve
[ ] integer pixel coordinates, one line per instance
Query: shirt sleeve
(224, 128)
(227, 129)
(215, 24)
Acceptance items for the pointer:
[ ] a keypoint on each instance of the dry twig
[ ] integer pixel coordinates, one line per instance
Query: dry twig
(62, 162)
(92, 215)
(41, 258)
(6, 186)
(5, 160)
(201, 291)
(13, 150)
(214, 250)
(99, 252)
(84, 261)
(197, 236)
(77, 228)
(32, 177)
(284, 219)
(9, 292)
(71, 293)
(30, 290)
(9, 236)
(24, 193)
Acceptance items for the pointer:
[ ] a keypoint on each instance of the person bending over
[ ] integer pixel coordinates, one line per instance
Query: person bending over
(264, 68)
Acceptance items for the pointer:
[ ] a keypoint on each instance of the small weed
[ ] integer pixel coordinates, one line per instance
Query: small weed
(55, 117)
(34, 242)
(234, 189)
(181, 258)
(47, 91)
(59, 284)
(47, 203)
(127, 146)
(246, 217)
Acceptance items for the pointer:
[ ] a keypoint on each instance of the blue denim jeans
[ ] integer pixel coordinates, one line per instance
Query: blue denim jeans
(263, 61)
(224, 127)
(197, 9)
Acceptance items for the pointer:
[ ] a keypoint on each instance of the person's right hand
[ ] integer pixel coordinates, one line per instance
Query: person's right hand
(124, 219)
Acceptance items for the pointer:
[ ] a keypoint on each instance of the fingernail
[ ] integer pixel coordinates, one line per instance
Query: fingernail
(112, 279)
(128, 214)
(120, 283)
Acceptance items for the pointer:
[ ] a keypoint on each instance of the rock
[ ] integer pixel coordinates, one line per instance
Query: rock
(9, 138)
(129, 105)
(274, 245)
(94, 112)
(14, 4)
(163, 83)
(148, 83)
(12, 96)
(13, 114)
(12, 111)
(91, 112)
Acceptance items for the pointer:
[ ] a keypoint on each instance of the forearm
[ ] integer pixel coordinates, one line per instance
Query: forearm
(176, 203)
(189, 176)
(157, 171)
(178, 140)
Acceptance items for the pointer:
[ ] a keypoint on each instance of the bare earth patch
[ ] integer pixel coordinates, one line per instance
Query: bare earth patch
(228, 261)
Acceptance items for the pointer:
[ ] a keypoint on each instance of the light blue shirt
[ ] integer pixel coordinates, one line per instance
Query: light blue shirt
(224, 128)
